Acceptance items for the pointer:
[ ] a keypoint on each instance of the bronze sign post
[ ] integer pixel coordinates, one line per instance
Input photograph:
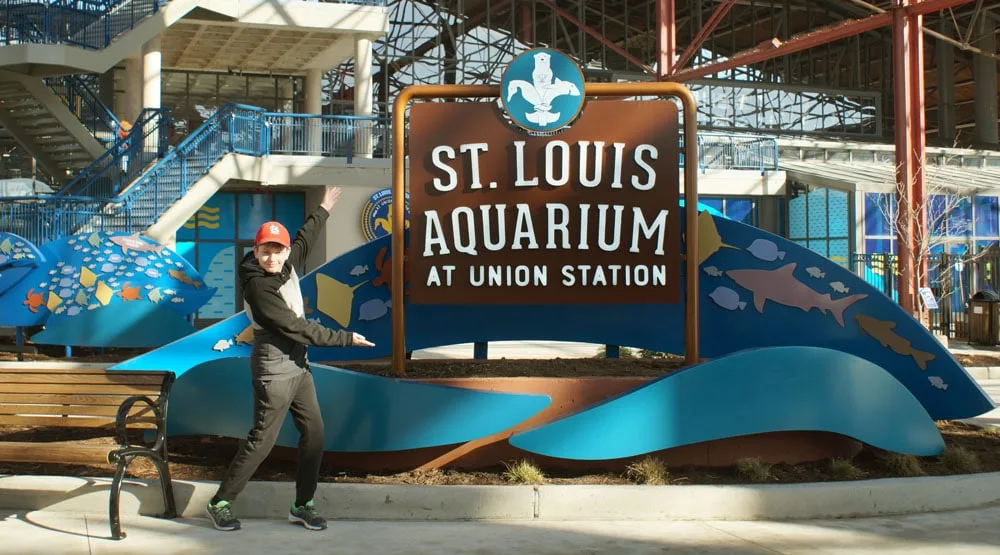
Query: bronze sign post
(650, 89)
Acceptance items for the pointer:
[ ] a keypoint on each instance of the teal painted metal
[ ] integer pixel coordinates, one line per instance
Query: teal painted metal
(361, 412)
(776, 389)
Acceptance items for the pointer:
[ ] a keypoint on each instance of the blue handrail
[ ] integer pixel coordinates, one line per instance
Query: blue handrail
(91, 24)
(84, 102)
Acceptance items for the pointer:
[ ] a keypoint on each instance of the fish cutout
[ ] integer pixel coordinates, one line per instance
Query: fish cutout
(103, 293)
(53, 301)
(780, 286)
(82, 298)
(709, 240)
(18, 256)
(87, 278)
(384, 266)
(129, 293)
(182, 277)
(881, 330)
(937, 382)
(305, 306)
(155, 295)
(34, 300)
(245, 337)
(177, 300)
(335, 299)
(373, 309)
(169, 292)
(359, 270)
(94, 240)
(222, 345)
(6, 246)
(765, 250)
(712, 271)
(815, 272)
(727, 298)
(839, 287)
(135, 243)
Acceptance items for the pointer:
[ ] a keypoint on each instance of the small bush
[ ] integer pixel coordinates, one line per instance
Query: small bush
(523, 472)
(646, 353)
(960, 460)
(753, 470)
(844, 469)
(903, 465)
(650, 471)
(623, 352)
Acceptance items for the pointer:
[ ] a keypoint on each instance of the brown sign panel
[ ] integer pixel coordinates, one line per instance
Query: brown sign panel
(587, 215)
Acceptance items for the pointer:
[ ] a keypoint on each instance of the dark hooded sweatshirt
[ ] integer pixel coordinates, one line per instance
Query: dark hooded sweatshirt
(275, 308)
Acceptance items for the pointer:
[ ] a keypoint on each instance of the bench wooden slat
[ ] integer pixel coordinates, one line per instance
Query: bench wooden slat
(76, 410)
(75, 422)
(100, 379)
(33, 398)
(53, 452)
(80, 389)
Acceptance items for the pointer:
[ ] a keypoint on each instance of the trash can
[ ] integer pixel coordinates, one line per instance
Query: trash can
(984, 318)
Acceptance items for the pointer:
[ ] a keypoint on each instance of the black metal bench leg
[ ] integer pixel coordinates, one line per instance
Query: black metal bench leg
(113, 509)
(166, 486)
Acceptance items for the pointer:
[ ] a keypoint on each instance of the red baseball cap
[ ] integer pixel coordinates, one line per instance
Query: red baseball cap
(273, 232)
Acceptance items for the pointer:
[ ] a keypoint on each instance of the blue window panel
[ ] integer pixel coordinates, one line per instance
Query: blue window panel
(713, 202)
(740, 209)
(187, 231)
(217, 218)
(797, 217)
(187, 250)
(960, 218)
(217, 266)
(802, 242)
(838, 213)
(985, 244)
(820, 246)
(987, 210)
(289, 209)
(936, 249)
(817, 213)
(840, 252)
(877, 209)
(880, 246)
(936, 218)
(255, 209)
(958, 248)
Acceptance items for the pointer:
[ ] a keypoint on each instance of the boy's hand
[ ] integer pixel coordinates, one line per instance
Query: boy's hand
(360, 341)
(330, 197)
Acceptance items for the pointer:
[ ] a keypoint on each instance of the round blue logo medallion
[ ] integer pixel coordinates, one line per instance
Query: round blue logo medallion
(376, 216)
(542, 90)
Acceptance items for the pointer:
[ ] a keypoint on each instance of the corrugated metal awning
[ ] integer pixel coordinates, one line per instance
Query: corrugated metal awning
(881, 177)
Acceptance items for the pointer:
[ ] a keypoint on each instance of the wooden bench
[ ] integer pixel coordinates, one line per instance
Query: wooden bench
(111, 403)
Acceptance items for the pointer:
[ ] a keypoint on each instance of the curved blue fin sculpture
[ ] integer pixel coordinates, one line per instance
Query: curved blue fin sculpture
(764, 390)
(361, 412)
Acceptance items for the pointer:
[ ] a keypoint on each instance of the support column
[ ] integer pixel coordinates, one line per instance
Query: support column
(363, 133)
(666, 38)
(984, 71)
(902, 89)
(917, 118)
(946, 87)
(132, 100)
(314, 105)
(151, 98)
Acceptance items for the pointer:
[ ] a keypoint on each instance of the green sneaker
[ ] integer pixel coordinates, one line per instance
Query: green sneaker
(306, 516)
(222, 516)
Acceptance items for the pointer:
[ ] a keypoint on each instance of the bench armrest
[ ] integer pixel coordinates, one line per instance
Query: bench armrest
(121, 421)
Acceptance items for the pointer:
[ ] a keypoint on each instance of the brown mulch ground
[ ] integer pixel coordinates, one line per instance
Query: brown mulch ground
(205, 458)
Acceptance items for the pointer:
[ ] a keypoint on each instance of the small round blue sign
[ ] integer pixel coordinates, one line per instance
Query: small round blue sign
(376, 216)
(542, 90)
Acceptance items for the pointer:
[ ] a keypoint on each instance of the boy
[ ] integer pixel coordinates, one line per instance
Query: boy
(282, 380)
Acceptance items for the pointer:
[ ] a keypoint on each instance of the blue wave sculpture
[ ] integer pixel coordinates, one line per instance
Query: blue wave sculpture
(757, 290)
(361, 412)
(763, 390)
(99, 289)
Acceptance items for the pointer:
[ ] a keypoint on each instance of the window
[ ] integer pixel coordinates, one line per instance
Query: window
(819, 219)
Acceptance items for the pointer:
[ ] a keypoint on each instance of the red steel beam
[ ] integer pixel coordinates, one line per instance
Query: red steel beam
(918, 142)
(585, 28)
(902, 83)
(666, 38)
(720, 11)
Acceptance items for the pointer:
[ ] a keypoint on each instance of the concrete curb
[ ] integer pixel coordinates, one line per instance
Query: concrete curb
(984, 372)
(547, 502)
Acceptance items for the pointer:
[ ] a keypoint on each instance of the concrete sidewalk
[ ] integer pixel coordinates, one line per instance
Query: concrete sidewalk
(964, 532)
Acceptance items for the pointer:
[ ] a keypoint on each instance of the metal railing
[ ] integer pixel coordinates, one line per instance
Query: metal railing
(736, 152)
(125, 160)
(347, 136)
(85, 104)
(91, 24)
(953, 278)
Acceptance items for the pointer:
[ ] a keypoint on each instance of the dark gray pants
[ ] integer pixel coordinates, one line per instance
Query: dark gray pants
(272, 401)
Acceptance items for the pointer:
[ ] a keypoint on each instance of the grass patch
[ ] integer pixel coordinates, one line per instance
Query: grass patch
(753, 470)
(523, 472)
(844, 469)
(650, 471)
(903, 465)
(960, 460)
